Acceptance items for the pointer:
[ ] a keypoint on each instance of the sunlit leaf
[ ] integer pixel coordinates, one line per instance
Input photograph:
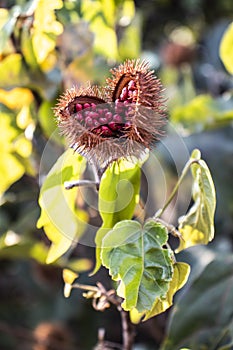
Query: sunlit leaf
(62, 222)
(16, 98)
(136, 258)
(24, 117)
(202, 318)
(108, 8)
(13, 72)
(226, 49)
(69, 276)
(107, 35)
(101, 16)
(27, 48)
(120, 178)
(202, 113)
(79, 265)
(130, 43)
(11, 168)
(45, 28)
(197, 226)
(23, 146)
(130, 22)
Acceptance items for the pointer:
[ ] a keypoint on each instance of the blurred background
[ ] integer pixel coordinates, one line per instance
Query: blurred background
(48, 46)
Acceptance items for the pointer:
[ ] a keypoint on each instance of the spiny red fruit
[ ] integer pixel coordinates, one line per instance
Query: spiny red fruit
(120, 120)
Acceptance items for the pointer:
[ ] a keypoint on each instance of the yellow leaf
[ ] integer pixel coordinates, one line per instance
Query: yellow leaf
(42, 45)
(69, 276)
(23, 118)
(7, 133)
(135, 316)
(62, 222)
(45, 29)
(105, 41)
(11, 170)
(226, 49)
(16, 98)
(23, 146)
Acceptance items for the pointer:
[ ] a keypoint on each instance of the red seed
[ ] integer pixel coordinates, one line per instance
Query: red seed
(79, 117)
(115, 126)
(105, 131)
(78, 107)
(103, 120)
(95, 123)
(93, 114)
(88, 121)
(131, 85)
(100, 111)
(108, 115)
(117, 118)
(124, 93)
(127, 124)
(93, 105)
(86, 105)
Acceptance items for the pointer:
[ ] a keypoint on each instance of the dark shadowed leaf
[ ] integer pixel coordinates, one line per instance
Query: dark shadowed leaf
(202, 319)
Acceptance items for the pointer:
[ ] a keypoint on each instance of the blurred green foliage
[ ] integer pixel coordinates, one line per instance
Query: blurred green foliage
(47, 46)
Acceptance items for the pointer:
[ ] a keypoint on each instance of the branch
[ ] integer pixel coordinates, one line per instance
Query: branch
(80, 183)
(172, 195)
(101, 300)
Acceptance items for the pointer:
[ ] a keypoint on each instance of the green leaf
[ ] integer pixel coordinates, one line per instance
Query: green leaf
(226, 49)
(104, 34)
(180, 276)
(197, 226)
(202, 113)
(101, 16)
(136, 258)
(202, 318)
(121, 178)
(27, 48)
(47, 121)
(61, 221)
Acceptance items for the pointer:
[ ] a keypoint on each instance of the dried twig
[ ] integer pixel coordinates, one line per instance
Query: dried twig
(102, 300)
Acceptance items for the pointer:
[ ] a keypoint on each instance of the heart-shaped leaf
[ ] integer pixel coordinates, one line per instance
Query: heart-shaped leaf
(136, 258)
